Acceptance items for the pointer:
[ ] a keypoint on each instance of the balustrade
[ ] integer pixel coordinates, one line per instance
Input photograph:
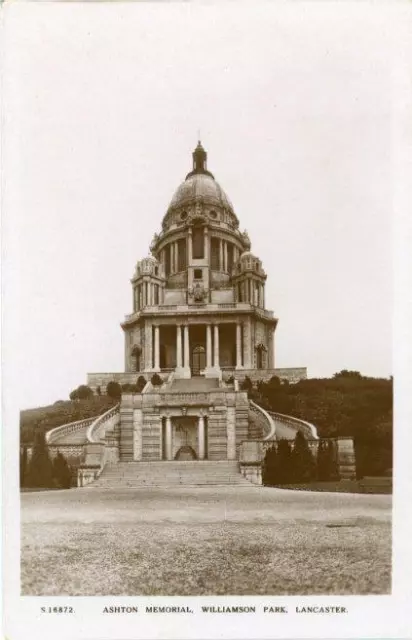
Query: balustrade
(108, 419)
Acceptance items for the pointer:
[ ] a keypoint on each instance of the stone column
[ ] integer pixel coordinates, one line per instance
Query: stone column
(208, 346)
(238, 345)
(201, 437)
(176, 257)
(231, 433)
(346, 459)
(168, 438)
(171, 248)
(179, 346)
(225, 256)
(221, 266)
(216, 358)
(186, 347)
(189, 247)
(206, 244)
(157, 348)
(148, 357)
(137, 434)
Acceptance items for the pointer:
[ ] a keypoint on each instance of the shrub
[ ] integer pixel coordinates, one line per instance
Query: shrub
(141, 383)
(156, 380)
(247, 384)
(99, 391)
(114, 390)
(23, 466)
(129, 388)
(284, 471)
(303, 464)
(270, 465)
(61, 472)
(74, 395)
(40, 469)
(84, 392)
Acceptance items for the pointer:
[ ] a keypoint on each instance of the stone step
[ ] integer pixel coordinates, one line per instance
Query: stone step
(170, 473)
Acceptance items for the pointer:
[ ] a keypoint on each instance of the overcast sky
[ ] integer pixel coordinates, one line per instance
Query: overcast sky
(103, 103)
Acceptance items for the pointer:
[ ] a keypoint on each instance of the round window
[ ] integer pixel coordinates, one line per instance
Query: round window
(183, 215)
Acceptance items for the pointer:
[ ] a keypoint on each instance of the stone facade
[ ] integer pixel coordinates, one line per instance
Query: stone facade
(198, 318)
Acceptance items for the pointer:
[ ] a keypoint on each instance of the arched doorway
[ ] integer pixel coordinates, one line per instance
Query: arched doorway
(186, 452)
(198, 359)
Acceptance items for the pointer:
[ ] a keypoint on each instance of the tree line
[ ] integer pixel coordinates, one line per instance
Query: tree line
(348, 404)
(40, 470)
(289, 462)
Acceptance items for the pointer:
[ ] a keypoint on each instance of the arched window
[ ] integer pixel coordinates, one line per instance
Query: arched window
(260, 356)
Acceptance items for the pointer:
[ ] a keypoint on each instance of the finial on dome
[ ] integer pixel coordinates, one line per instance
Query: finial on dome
(199, 159)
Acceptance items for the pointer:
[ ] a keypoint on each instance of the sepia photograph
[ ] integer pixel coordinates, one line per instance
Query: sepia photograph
(199, 280)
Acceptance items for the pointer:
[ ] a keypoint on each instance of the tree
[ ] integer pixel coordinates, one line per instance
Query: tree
(348, 374)
(284, 473)
(114, 390)
(99, 390)
(302, 460)
(246, 384)
(156, 380)
(40, 471)
(62, 472)
(74, 395)
(270, 467)
(84, 392)
(140, 384)
(23, 466)
(326, 461)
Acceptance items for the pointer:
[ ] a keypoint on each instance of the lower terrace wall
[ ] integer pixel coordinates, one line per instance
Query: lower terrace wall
(292, 374)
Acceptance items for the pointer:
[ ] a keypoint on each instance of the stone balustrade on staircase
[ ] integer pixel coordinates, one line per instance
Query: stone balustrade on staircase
(262, 421)
(107, 421)
(265, 427)
(70, 433)
(288, 426)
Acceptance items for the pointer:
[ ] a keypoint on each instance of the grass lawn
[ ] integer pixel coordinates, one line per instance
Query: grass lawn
(200, 541)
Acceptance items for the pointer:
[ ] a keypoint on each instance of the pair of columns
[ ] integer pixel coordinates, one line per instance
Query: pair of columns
(183, 355)
(145, 295)
(200, 438)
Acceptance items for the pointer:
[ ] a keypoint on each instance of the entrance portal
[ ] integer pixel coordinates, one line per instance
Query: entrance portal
(198, 359)
(186, 453)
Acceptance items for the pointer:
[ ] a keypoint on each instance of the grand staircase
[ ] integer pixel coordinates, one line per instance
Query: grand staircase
(169, 474)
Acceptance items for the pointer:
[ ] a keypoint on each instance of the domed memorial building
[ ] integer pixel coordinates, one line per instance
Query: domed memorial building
(198, 326)
(199, 299)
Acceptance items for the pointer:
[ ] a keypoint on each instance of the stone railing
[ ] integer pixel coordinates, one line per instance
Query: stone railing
(70, 451)
(309, 430)
(264, 419)
(291, 374)
(108, 420)
(67, 429)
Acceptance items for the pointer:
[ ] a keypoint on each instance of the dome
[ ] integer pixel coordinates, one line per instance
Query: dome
(247, 254)
(200, 186)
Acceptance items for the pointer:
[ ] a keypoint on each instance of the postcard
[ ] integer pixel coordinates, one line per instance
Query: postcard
(206, 331)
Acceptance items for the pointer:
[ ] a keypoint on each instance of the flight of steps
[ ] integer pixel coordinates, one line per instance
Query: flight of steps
(197, 384)
(170, 474)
